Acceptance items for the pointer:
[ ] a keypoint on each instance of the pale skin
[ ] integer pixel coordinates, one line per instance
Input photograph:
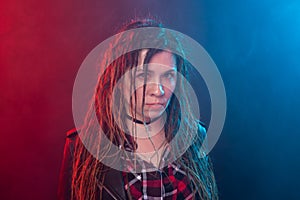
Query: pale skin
(161, 82)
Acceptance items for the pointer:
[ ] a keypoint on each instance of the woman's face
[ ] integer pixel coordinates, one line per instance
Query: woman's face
(161, 81)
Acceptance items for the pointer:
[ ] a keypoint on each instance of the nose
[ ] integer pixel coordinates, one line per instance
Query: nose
(157, 89)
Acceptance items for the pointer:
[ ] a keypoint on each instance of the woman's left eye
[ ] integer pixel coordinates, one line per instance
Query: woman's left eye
(169, 75)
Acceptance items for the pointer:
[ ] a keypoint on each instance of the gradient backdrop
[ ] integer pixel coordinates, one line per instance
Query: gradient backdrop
(255, 44)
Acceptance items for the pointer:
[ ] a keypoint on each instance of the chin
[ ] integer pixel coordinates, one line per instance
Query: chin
(155, 114)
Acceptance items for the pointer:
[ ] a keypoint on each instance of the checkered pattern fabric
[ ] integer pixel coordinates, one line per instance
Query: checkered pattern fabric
(169, 183)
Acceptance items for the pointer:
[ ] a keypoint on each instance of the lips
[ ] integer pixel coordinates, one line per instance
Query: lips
(156, 103)
(156, 106)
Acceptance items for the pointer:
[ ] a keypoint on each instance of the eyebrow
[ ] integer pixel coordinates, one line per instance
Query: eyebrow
(174, 69)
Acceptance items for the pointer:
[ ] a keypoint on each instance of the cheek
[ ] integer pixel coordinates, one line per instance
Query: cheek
(168, 93)
(170, 87)
(126, 93)
(138, 94)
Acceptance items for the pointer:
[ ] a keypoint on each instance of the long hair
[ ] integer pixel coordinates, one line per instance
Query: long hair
(89, 171)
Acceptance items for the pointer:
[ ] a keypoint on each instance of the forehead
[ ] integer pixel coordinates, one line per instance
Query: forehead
(163, 60)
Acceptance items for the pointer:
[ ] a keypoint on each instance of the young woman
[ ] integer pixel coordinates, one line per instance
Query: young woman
(138, 112)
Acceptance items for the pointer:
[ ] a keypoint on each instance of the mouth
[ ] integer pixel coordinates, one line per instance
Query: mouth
(156, 106)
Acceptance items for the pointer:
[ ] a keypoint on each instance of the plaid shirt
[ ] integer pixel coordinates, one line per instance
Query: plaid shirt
(170, 183)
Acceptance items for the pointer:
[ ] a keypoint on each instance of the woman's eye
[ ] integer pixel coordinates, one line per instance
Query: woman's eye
(169, 75)
(142, 75)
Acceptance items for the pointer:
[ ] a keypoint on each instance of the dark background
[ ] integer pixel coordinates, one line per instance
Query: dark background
(255, 45)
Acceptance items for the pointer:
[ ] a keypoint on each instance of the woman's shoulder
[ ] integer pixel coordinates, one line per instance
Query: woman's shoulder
(201, 128)
(64, 188)
(72, 133)
(113, 182)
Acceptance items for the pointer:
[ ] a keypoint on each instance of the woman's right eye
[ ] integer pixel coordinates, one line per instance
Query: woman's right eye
(142, 75)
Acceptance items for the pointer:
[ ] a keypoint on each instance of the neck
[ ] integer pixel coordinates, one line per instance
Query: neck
(145, 130)
(149, 145)
(141, 122)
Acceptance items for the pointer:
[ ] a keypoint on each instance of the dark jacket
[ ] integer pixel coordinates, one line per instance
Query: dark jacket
(113, 187)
